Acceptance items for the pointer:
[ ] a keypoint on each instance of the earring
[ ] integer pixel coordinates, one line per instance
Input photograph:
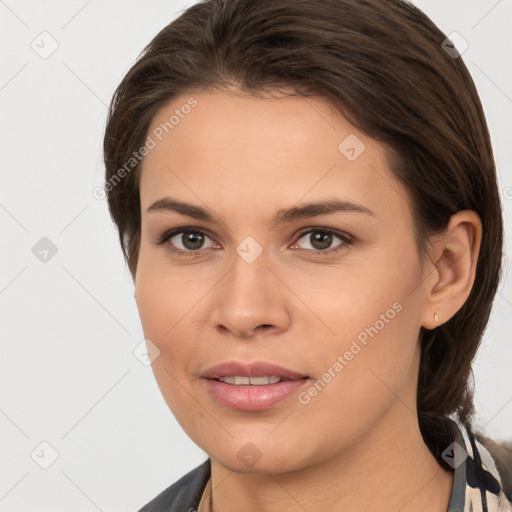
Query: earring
(436, 318)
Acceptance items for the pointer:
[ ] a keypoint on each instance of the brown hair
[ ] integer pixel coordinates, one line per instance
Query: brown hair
(383, 65)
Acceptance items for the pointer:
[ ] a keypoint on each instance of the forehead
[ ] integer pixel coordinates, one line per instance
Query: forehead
(233, 149)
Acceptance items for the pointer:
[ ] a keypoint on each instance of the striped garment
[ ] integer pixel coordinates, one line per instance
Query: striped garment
(477, 484)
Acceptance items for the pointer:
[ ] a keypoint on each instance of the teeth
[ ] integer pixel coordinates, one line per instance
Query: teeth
(253, 381)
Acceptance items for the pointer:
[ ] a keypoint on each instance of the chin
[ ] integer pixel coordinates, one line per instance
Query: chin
(257, 455)
(264, 465)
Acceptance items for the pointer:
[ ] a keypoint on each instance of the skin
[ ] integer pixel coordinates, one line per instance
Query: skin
(357, 443)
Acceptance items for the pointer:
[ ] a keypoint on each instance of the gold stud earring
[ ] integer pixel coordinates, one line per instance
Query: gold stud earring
(436, 318)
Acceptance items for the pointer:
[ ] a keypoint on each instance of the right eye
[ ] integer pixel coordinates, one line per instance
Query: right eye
(186, 241)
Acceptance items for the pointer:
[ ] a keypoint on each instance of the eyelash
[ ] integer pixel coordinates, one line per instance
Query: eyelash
(347, 241)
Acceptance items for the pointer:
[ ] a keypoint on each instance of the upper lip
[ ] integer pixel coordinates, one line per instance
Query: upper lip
(254, 369)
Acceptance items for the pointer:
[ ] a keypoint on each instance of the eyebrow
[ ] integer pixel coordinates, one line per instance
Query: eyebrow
(285, 215)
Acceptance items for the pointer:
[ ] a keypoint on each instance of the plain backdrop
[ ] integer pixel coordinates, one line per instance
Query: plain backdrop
(74, 397)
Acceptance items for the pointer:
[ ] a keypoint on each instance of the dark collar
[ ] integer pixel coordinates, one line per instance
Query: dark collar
(183, 495)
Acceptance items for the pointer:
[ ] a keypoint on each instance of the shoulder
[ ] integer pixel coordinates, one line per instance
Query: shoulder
(501, 452)
(182, 495)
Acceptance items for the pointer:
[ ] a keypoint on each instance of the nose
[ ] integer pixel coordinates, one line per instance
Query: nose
(251, 300)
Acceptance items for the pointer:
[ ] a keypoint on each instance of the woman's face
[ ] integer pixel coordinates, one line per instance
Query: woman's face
(335, 296)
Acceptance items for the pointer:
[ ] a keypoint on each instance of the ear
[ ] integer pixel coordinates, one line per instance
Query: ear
(454, 256)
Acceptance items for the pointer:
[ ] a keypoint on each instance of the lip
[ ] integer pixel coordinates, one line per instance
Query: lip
(253, 398)
(249, 397)
(254, 369)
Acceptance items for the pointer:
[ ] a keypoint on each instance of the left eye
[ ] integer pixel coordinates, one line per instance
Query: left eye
(321, 239)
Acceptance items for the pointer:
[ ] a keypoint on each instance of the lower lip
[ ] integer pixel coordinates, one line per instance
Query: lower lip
(253, 398)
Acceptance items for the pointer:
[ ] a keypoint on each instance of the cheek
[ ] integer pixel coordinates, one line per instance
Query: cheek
(361, 373)
(169, 300)
(368, 333)
(373, 294)
(165, 295)
(163, 308)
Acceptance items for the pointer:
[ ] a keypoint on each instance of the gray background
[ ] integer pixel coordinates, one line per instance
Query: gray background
(69, 324)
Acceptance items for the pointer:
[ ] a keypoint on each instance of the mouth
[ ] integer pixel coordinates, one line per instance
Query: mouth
(252, 387)
(240, 380)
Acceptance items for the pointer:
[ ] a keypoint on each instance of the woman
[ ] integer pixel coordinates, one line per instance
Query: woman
(306, 198)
